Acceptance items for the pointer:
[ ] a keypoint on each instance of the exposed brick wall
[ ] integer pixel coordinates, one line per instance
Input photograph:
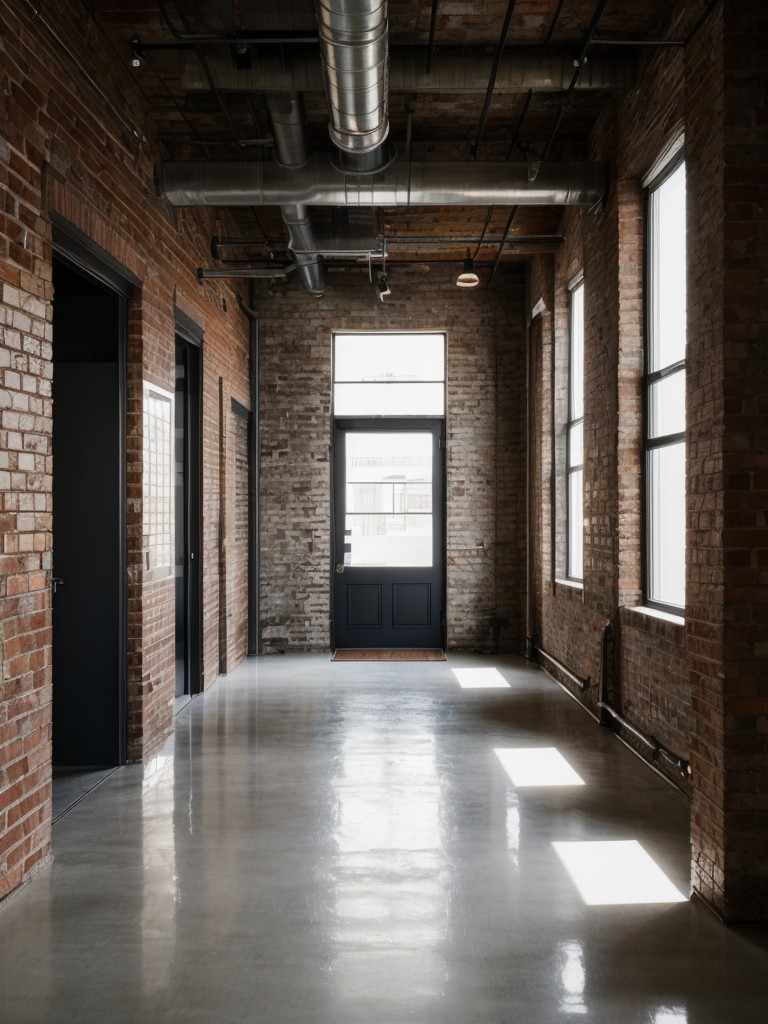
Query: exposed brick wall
(607, 244)
(63, 151)
(237, 537)
(485, 448)
(698, 687)
(728, 402)
(705, 597)
(25, 560)
(745, 534)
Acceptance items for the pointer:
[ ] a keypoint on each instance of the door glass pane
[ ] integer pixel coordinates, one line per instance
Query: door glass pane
(666, 470)
(388, 520)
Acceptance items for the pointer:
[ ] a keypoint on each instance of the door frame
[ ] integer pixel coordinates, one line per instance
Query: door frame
(385, 424)
(190, 335)
(74, 249)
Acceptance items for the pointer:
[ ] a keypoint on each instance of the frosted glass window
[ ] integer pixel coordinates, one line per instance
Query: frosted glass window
(395, 399)
(575, 437)
(668, 268)
(666, 405)
(389, 375)
(576, 444)
(388, 499)
(576, 525)
(666, 482)
(665, 392)
(576, 381)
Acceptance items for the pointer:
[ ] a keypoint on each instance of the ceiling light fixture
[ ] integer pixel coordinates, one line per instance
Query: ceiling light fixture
(468, 278)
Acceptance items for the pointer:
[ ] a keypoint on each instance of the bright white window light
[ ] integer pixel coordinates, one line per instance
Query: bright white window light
(616, 872)
(537, 766)
(480, 679)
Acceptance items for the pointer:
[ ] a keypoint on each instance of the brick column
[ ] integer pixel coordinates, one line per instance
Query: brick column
(728, 458)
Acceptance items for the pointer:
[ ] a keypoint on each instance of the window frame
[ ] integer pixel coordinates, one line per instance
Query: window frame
(573, 423)
(654, 442)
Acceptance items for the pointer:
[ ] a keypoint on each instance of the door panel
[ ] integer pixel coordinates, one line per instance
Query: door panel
(187, 515)
(388, 535)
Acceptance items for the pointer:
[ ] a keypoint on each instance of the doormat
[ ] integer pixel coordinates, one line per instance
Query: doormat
(427, 654)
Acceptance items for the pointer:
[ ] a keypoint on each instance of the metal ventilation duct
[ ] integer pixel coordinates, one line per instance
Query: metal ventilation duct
(286, 112)
(353, 44)
(319, 183)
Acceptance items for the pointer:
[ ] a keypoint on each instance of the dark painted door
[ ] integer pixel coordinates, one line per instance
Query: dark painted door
(86, 566)
(388, 579)
(187, 513)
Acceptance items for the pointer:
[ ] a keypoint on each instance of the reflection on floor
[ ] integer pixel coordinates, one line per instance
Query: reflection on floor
(72, 782)
(326, 843)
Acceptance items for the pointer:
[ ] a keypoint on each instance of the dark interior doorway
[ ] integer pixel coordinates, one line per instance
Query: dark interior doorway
(88, 600)
(187, 510)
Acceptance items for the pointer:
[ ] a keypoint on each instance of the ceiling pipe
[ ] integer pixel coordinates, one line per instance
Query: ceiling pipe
(319, 183)
(255, 273)
(354, 38)
(519, 70)
(286, 112)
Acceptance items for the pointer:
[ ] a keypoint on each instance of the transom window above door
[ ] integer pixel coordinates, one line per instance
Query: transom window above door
(389, 374)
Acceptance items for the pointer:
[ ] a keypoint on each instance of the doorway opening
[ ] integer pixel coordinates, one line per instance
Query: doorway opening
(187, 516)
(388, 574)
(88, 576)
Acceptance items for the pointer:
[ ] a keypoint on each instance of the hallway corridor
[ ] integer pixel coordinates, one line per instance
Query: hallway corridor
(339, 843)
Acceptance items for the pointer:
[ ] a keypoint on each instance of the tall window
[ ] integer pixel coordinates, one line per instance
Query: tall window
(665, 391)
(575, 436)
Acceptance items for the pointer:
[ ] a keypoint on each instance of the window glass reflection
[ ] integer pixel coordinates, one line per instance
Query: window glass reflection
(573, 977)
(389, 901)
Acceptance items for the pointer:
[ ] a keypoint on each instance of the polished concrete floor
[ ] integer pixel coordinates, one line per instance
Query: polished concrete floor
(325, 843)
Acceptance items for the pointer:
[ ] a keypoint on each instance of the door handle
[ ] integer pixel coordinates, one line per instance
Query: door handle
(56, 581)
(339, 567)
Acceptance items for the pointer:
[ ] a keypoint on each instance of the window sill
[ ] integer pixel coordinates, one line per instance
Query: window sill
(656, 623)
(657, 613)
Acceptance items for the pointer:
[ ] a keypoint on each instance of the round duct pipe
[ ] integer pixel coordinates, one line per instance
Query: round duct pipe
(354, 38)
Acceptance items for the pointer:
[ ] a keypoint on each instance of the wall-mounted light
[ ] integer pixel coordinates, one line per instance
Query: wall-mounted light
(468, 278)
(384, 289)
(137, 52)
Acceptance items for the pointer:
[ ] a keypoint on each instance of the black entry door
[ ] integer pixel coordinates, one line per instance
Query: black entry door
(187, 517)
(388, 579)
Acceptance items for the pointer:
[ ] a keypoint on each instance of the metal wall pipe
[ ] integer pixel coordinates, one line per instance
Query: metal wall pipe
(319, 183)
(520, 70)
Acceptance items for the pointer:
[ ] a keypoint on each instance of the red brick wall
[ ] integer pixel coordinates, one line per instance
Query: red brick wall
(607, 245)
(62, 151)
(485, 448)
(727, 466)
(698, 687)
